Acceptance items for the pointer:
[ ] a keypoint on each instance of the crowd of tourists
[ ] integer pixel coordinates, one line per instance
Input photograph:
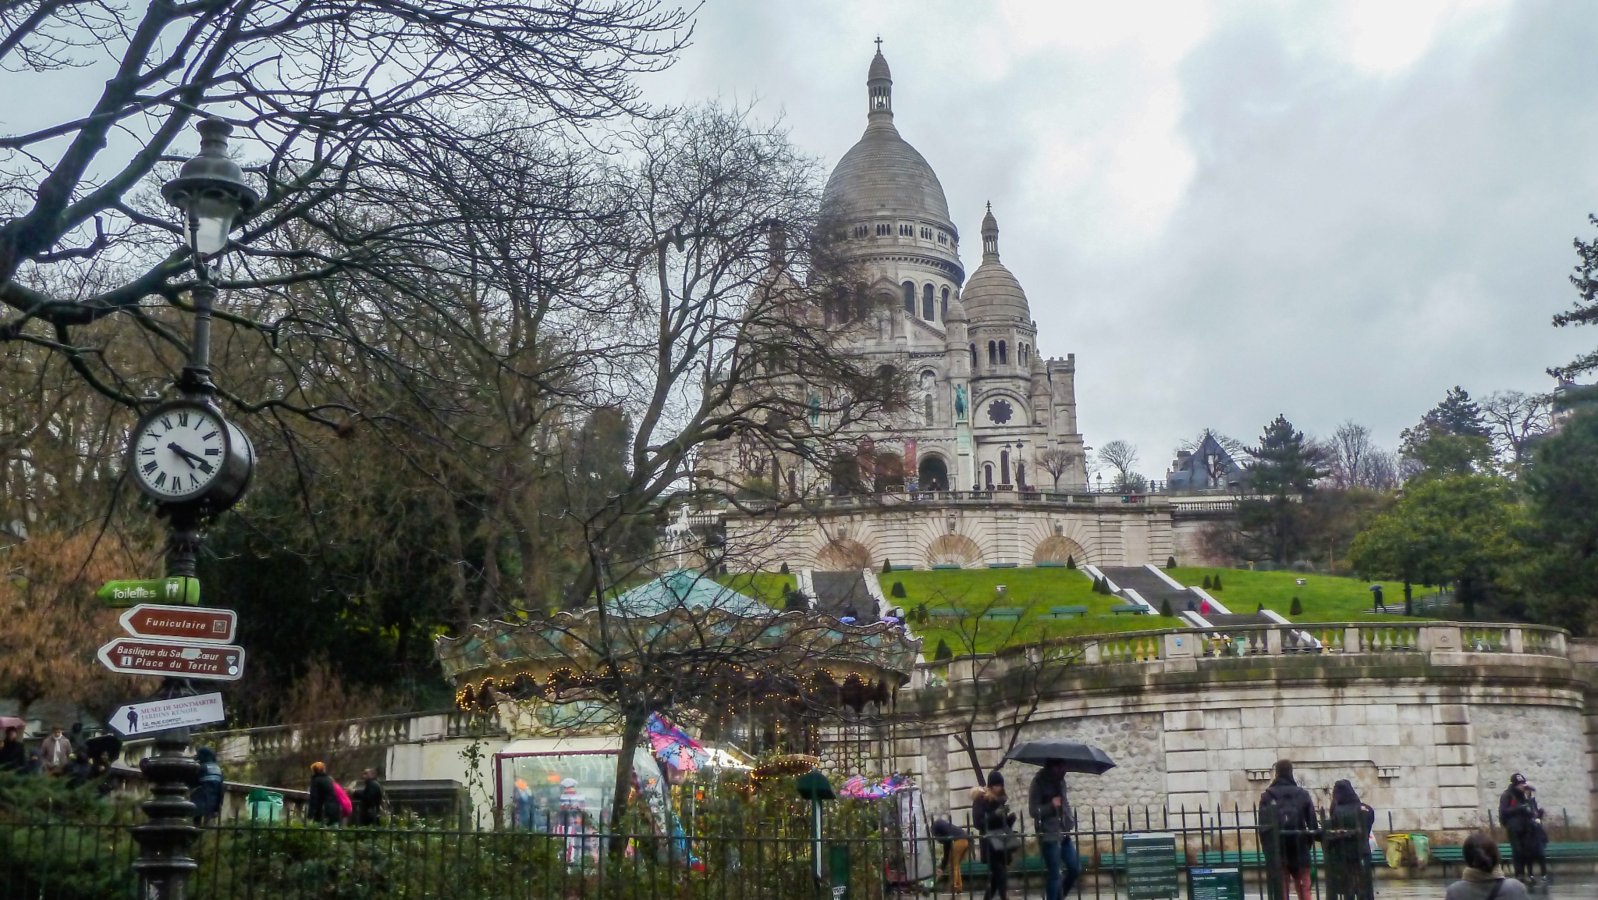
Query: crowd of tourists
(62, 754)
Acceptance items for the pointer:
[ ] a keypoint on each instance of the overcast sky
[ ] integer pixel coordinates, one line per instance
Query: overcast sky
(1329, 210)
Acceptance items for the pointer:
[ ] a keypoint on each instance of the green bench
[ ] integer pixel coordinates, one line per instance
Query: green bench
(1130, 608)
(1003, 612)
(1116, 862)
(1564, 851)
(1061, 612)
(944, 613)
(1584, 851)
(1026, 865)
(1254, 859)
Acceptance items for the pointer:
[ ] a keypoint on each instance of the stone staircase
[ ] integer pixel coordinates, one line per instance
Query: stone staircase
(1150, 587)
(838, 592)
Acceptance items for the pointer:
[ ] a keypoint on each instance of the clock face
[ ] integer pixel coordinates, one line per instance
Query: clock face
(178, 452)
(999, 411)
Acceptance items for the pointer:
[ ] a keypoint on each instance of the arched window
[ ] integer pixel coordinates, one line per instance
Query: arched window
(909, 297)
(927, 309)
(1004, 356)
(987, 475)
(973, 357)
(944, 312)
(993, 353)
(926, 409)
(862, 305)
(929, 379)
(1004, 467)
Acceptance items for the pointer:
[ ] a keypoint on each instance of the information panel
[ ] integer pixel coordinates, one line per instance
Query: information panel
(1151, 866)
(1215, 884)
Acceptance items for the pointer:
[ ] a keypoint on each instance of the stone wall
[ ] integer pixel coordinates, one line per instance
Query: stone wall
(1427, 734)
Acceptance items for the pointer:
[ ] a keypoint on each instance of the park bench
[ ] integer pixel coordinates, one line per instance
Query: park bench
(1025, 865)
(1254, 859)
(1003, 612)
(1061, 612)
(1116, 862)
(1131, 608)
(1564, 851)
(944, 612)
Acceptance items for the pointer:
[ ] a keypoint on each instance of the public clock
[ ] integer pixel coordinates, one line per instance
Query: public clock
(184, 454)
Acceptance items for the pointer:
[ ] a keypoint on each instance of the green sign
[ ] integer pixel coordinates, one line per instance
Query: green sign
(177, 591)
(1215, 884)
(1151, 866)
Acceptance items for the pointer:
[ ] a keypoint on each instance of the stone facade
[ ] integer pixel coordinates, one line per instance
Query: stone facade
(1428, 734)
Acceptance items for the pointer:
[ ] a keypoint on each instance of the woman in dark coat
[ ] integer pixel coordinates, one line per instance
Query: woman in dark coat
(1518, 813)
(207, 794)
(322, 805)
(990, 812)
(1347, 843)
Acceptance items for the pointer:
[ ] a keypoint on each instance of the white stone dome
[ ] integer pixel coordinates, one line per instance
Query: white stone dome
(882, 175)
(992, 294)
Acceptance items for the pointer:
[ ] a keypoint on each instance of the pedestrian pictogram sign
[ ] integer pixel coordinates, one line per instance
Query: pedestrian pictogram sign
(142, 656)
(188, 623)
(174, 712)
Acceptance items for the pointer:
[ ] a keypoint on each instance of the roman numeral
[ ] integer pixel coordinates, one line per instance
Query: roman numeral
(160, 480)
(183, 419)
(147, 451)
(213, 451)
(166, 423)
(207, 437)
(151, 466)
(194, 480)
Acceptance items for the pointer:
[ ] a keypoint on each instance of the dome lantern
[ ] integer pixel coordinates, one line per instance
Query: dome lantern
(879, 87)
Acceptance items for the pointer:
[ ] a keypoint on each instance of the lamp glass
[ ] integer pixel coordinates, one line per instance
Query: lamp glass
(211, 215)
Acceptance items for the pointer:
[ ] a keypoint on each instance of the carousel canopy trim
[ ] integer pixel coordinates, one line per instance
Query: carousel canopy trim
(681, 614)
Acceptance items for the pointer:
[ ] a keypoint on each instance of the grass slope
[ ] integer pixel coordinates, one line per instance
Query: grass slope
(1325, 598)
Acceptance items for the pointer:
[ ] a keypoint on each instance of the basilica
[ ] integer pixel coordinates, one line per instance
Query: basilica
(990, 468)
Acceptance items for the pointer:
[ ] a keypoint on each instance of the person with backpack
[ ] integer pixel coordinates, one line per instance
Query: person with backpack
(207, 793)
(1287, 813)
(321, 804)
(1518, 813)
(1481, 878)
(990, 813)
(1347, 842)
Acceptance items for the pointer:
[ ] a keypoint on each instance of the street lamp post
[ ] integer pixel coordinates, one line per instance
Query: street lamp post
(212, 194)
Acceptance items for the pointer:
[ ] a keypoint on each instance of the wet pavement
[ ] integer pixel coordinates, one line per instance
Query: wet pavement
(1583, 886)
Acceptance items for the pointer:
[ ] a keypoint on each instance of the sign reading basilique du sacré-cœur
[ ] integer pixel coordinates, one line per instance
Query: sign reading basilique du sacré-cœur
(143, 656)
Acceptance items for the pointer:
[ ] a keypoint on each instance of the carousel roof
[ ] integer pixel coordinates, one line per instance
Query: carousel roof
(679, 621)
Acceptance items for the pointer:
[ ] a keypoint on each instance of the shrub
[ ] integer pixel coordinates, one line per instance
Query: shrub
(920, 613)
(1208, 583)
(1297, 609)
(783, 569)
(887, 566)
(943, 652)
(898, 590)
(1070, 562)
(1170, 562)
(1165, 608)
(1217, 582)
(1259, 608)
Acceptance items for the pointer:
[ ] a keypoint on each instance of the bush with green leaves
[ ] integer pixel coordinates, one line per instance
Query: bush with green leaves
(1297, 609)
(1165, 608)
(898, 590)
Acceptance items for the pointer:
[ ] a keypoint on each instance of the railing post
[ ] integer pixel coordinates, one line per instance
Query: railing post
(1351, 640)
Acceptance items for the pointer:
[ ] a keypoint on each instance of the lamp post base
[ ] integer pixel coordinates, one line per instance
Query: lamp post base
(164, 864)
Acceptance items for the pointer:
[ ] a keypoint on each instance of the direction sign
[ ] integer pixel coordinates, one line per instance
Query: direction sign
(176, 590)
(189, 623)
(142, 656)
(159, 715)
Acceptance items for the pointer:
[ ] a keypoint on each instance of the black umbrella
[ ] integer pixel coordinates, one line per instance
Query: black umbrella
(1077, 757)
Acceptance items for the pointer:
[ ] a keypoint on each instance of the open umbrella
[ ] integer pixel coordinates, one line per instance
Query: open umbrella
(1078, 757)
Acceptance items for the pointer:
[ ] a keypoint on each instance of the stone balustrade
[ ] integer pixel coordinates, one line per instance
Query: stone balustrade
(1442, 643)
(274, 741)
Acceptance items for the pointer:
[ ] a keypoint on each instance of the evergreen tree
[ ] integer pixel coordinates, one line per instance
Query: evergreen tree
(943, 652)
(1165, 608)
(887, 566)
(1217, 582)
(1170, 562)
(1272, 519)
(1070, 562)
(1207, 583)
(1297, 609)
(1562, 486)
(1585, 311)
(898, 590)
(1452, 439)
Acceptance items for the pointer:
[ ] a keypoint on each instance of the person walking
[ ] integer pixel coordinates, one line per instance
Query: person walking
(13, 755)
(369, 799)
(321, 805)
(1481, 879)
(1518, 813)
(207, 793)
(1050, 809)
(990, 811)
(1536, 840)
(955, 843)
(56, 751)
(1289, 811)
(1347, 842)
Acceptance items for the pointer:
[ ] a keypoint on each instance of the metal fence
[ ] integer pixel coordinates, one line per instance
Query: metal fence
(56, 860)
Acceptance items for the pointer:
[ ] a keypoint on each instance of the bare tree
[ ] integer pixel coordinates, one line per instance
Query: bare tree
(1515, 420)
(1057, 461)
(343, 108)
(1122, 457)
(1347, 452)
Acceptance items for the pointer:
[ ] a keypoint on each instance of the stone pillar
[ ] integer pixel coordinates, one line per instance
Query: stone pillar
(1459, 796)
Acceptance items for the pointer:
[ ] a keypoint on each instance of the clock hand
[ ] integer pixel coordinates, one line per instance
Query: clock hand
(193, 459)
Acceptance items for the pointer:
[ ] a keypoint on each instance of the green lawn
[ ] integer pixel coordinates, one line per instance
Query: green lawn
(1325, 598)
(769, 588)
